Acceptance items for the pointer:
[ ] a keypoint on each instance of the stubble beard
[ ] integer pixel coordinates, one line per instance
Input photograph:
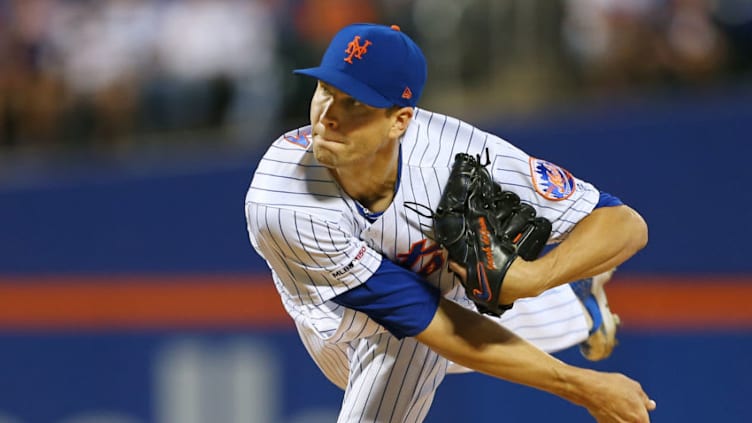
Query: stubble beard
(324, 156)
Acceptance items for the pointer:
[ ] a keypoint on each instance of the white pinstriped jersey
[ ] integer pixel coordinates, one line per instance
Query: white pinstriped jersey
(319, 245)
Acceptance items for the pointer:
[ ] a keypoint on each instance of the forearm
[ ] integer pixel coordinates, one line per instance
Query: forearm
(472, 340)
(476, 342)
(601, 241)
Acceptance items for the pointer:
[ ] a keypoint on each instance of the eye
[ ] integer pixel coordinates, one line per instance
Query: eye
(353, 102)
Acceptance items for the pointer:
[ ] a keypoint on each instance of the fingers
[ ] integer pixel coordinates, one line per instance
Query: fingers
(458, 270)
(626, 403)
(649, 406)
(649, 403)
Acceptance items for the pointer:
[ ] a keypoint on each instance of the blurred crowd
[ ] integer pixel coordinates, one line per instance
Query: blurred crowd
(104, 74)
(618, 44)
(96, 72)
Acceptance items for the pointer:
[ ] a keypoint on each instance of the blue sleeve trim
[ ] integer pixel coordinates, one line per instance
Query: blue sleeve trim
(608, 200)
(396, 298)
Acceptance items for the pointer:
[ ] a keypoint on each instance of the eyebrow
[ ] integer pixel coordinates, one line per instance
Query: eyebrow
(346, 95)
(332, 87)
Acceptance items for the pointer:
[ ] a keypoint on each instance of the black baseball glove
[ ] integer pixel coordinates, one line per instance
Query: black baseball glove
(485, 228)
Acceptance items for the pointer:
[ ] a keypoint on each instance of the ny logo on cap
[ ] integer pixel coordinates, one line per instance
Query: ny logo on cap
(355, 49)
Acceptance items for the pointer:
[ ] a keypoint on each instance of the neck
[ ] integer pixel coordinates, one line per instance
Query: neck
(372, 184)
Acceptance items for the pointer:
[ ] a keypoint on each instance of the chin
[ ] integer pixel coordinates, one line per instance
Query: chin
(324, 156)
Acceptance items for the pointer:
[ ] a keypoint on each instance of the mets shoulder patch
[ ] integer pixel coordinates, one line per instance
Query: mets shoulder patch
(300, 138)
(551, 181)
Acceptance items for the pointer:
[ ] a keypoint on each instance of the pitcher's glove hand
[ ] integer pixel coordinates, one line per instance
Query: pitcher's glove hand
(485, 228)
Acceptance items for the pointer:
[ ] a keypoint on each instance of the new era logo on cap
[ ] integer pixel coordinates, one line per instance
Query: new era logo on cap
(407, 94)
(375, 64)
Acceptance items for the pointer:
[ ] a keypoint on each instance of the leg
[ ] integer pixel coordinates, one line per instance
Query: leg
(552, 321)
(331, 359)
(559, 319)
(603, 323)
(391, 380)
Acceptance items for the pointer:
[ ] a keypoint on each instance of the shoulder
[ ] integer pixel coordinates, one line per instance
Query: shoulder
(287, 157)
(288, 176)
(434, 139)
(441, 129)
(291, 147)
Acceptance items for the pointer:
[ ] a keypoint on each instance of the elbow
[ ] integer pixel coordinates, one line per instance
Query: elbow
(638, 229)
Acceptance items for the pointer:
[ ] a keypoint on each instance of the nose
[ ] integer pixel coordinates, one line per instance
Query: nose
(328, 117)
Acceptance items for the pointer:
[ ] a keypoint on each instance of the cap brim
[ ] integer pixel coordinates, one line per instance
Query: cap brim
(348, 85)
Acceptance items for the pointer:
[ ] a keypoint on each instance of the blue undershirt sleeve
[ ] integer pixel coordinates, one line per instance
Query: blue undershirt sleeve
(608, 200)
(396, 298)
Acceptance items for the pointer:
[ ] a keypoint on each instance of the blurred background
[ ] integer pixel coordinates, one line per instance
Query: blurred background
(130, 129)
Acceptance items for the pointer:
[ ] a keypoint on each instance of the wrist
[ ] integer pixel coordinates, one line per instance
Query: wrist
(522, 280)
(576, 384)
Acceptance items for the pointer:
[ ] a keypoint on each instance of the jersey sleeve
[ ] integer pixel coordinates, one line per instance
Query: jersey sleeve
(314, 259)
(396, 298)
(608, 200)
(556, 194)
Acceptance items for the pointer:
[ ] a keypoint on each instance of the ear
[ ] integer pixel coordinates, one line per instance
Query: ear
(400, 120)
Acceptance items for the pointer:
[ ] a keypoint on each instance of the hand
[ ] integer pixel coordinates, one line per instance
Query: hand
(515, 285)
(615, 398)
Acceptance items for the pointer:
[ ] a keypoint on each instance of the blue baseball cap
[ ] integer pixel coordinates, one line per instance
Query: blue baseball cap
(375, 64)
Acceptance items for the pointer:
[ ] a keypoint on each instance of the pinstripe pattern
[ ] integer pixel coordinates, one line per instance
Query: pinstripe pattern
(318, 246)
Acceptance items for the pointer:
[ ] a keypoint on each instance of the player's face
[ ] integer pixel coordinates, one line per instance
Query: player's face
(349, 133)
